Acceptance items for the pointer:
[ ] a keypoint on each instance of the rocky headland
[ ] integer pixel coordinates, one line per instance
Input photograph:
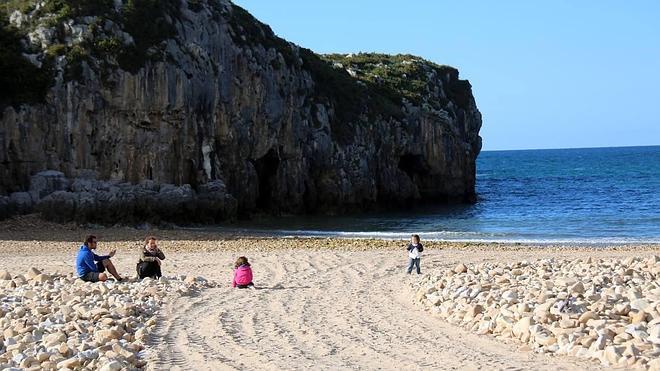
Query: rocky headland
(194, 111)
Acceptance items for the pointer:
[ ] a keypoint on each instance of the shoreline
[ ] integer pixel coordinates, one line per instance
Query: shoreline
(32, 229)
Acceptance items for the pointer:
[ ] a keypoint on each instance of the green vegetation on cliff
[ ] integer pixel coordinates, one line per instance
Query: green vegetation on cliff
(148, 22)
(394, 76)
(21, 81)
(357, 85)
(365, 83)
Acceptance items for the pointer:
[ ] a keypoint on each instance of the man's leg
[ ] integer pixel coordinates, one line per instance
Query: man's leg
(111, 268)
(417, 261)
(411, 261)
(94, 277)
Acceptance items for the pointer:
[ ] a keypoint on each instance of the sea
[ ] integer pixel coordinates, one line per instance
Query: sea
(566, 196)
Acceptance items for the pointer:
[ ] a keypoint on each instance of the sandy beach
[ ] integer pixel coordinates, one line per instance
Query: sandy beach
(323, 303)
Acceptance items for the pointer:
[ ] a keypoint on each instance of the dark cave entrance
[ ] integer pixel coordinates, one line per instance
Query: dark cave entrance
(266, 168)
(413, 165)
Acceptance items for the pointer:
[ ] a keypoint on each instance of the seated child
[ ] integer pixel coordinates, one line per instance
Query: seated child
(242, 274)
(149, 259)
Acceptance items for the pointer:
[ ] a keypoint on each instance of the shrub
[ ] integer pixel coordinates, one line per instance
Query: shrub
(21, 81)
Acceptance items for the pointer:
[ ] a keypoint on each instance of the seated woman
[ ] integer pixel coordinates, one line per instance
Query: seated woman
(149, 261)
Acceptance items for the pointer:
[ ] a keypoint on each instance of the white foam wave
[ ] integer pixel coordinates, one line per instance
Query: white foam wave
(446, 236)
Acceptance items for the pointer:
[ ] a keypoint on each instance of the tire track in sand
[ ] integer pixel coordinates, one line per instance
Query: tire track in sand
(326, 310)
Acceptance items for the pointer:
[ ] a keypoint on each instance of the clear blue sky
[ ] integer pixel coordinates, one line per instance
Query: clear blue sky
(556, 74)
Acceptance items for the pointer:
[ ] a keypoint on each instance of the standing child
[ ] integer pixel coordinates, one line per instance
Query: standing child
(414, 253)
(242, 274)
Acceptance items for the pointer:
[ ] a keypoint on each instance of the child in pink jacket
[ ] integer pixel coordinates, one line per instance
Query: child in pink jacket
(242, 274)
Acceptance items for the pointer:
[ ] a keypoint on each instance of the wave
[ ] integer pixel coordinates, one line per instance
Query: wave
(443, 236)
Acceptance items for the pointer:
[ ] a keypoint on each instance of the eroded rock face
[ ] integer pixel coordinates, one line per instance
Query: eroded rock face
(238, 118)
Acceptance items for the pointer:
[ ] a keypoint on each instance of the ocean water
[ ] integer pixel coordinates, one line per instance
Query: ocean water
(595, 195)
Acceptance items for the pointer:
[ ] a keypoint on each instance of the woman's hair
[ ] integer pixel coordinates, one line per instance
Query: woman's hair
(241, 261)
(146, 240)
(416, 237)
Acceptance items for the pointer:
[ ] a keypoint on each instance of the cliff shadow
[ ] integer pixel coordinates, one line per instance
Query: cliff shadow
(266, 168)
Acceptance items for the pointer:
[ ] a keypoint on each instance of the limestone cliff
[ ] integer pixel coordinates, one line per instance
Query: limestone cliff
(201, 113)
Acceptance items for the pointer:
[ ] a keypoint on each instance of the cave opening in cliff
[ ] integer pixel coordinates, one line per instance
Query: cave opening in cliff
(266, 168)
(413, 165)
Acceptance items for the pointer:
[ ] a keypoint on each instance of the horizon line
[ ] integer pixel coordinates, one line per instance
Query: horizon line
(555, 148)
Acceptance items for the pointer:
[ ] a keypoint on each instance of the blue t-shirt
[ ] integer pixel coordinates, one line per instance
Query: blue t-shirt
(86, 261)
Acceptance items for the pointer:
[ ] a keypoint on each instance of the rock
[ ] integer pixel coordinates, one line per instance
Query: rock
(577, 288)
(637, 316)
(71, 363)
(510, 296)
(654, 364)
(112, 366)
(4, 275)
(598, 344)
(640, 304)
(622, 309)
(613, 354)
(103, 336)
(21, 202)
(54, 339)
(631, 351)
(545, 339)
(586, 316)
(567, 323)
(42, 278)
(565, 281)
(473, 310)
(32, 273)
(64, 349)
(654, 333)
(460, 268)
(521, 328)
(46, 182)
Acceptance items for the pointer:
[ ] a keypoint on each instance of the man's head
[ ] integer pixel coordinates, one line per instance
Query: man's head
(414, 238)
(90, 241)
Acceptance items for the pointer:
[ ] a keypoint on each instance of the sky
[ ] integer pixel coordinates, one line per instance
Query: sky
(551, 74)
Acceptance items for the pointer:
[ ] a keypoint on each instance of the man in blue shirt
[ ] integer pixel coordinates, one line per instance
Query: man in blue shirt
(90, 267)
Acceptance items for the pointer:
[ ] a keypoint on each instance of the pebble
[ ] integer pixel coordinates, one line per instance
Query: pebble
(83, 323)
(607, 310)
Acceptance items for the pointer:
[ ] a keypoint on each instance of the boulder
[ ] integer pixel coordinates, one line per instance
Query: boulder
(32, 273)
(70, 363)
(460, 268)
(521, 328)
(4, 275)
(21, 202)
(586, 316)
(46, 182)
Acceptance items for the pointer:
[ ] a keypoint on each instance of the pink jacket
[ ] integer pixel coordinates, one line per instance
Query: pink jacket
(242, 276)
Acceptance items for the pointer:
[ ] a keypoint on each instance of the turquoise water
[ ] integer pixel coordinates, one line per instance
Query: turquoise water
(595, 195)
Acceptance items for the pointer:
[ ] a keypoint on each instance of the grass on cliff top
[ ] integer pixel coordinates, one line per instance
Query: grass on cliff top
(377, 82)
(401, 75)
